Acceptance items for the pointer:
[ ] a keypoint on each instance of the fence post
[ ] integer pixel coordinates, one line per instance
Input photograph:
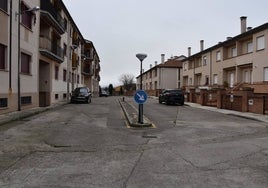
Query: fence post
(220, 92)
(245, 95)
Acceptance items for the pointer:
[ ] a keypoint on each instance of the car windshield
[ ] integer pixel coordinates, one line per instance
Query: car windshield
(81, 90)
(174, 91)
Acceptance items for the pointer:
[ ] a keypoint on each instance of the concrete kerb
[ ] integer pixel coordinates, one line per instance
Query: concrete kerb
(131, 115)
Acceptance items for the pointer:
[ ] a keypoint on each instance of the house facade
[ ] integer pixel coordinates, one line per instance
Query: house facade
(19, 55)
(42, 55)
(168, 74)
(240, 61)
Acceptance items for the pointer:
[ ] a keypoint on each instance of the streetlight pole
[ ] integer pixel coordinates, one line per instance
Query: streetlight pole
(141, 57)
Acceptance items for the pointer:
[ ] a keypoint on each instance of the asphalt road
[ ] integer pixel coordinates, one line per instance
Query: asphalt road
(89, 145)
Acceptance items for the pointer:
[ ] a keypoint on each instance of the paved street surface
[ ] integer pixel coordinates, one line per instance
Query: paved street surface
(90, 145)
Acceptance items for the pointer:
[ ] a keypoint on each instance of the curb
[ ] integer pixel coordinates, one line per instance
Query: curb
(131, 119)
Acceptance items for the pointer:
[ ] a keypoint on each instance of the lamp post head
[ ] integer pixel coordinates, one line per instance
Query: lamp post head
(34, 9)
(141, 57)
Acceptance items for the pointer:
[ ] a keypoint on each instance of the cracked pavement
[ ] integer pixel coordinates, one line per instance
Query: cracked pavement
(89, 145)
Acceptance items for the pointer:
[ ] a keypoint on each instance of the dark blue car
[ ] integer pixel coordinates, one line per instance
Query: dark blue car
(172, 96)
(81, 94)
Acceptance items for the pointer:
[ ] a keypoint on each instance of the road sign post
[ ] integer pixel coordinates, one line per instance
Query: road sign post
(140, 98)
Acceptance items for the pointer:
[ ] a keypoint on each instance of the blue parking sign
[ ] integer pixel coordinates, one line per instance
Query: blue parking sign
(140, 96)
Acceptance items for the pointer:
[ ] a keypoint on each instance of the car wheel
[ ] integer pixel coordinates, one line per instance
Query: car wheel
(160, 102)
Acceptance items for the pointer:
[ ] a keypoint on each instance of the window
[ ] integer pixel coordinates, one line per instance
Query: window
(233, 52)
(3, 102)
(56, 72)
(190, 81)
(260, 43)
(2, 57)
(185, 67)
(65, 49)
(207, 80)
(249, 47)
(65, 24)
(218, 56)
(25, 63)
(64, 75)
(265, 74)
(56, 96)
(3, 5)
(26, 100)
(26, 16)
(204, 60)
(232, 79)
(78, 78)
(215, 79)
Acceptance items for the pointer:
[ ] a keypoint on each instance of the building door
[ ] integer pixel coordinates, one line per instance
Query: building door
(44, 84)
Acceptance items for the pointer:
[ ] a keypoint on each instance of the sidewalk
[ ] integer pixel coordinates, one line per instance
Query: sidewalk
(247, 115)
(17, 115)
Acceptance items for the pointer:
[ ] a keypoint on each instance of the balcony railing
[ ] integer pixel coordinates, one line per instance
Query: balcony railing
(86, 70)
(51, 49)
(48, 8)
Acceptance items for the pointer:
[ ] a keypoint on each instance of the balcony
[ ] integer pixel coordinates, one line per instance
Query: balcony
(50, 49)
(89, 54)
(51, 15)
(86, 70)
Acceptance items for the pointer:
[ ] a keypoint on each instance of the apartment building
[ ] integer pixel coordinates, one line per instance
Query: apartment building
(91, 67)
(19, 55)
(60, 45)
(168, 74)
(239, 61)
(42, 55)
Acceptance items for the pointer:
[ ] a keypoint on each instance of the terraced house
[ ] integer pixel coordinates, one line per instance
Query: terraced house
(167, 74)
(42, 55)
(239, 63)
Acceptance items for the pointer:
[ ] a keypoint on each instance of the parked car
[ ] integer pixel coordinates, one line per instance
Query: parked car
(172, 96)
(81, 94)
(104, 94)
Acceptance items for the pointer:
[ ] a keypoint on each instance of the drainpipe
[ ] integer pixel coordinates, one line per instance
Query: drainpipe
(19, 94)
(69, 74)
(10, 47)
(210, 61)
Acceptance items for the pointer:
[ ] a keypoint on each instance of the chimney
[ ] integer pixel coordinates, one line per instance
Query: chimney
(249, 28)
(155, 63)
(162, 58)
(151, 66)
(201, 45)
(189, 51)
(243, 24)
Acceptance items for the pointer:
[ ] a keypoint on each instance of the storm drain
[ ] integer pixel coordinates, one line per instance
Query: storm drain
(149, 136)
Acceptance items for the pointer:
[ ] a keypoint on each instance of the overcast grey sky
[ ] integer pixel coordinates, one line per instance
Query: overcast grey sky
(121, 28)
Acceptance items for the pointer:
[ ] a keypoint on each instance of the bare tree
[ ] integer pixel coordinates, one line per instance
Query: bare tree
(127, 81)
